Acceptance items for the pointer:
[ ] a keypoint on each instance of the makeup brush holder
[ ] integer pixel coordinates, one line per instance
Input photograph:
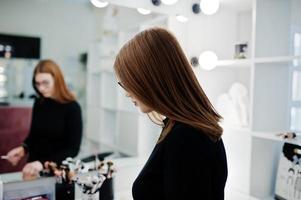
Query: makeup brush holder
(106, 192)
(64, 191)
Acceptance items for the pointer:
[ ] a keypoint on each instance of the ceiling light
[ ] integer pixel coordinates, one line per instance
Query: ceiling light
(208, 60)
(209, 7)
(169, 2)
(181, 18)
(99, 4)
(143, 11)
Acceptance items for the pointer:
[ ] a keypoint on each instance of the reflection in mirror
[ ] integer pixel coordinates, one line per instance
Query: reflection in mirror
(83, 40)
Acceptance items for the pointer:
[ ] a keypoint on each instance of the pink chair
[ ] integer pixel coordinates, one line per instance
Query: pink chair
(14, 127)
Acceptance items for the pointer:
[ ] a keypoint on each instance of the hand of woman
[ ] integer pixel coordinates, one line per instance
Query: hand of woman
(31, 170)
(15, 155)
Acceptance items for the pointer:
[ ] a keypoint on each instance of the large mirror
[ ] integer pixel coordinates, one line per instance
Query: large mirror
(83, 40)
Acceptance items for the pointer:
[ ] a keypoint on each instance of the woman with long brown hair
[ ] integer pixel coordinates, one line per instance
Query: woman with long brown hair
(56, 127)
(189, 159)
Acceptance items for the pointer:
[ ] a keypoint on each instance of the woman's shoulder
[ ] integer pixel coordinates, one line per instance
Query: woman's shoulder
(184, 133)
(73, 105)
(37, 101)
(72, 109)
(183, 139)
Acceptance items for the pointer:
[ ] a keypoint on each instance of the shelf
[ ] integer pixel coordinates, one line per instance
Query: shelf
(234, 63)
(278, 59)
(272, 136)
(248, 62)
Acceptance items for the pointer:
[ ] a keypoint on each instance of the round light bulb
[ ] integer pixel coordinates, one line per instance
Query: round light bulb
(208, 60)
(209, 7)
(181, 18)
(169, 2)
(99, 4)
(143, 11)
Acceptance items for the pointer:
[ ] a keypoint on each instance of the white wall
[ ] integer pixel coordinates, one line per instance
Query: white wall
(66, 29)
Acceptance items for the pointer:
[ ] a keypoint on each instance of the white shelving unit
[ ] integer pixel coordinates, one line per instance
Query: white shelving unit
(271, 73)
(274, 137)
(276, 23)
(253, 154)
(114, 123)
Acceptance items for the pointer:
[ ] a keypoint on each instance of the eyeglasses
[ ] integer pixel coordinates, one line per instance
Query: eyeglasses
(120, 84)
(42, 83)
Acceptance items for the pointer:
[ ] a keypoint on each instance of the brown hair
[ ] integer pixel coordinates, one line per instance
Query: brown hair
(155, 69)
(61, 92)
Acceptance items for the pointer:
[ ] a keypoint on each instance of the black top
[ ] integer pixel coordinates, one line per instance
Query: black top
(185, 165)
(56, 131)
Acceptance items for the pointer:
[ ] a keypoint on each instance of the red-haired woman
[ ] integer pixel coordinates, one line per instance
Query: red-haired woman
(189, 159)
(56, 127)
